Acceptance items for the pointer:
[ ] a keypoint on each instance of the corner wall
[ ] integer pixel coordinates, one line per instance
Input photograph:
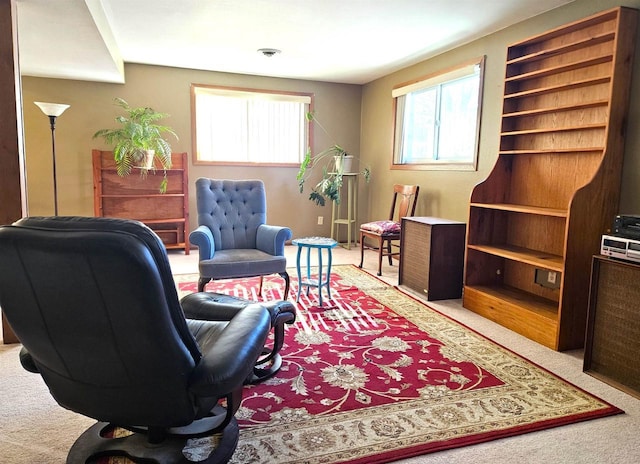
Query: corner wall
(358, 117)
(446, 193)
(168, 90)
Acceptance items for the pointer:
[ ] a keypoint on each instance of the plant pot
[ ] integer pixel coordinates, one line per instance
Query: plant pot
(344, 163)
(147, 160)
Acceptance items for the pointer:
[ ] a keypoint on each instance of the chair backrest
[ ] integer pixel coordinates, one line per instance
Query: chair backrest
(94, 302)
(232, 209)
(405, 198)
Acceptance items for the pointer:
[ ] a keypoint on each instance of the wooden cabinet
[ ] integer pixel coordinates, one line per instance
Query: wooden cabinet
(432, 256)
(556, 183)
(613, 328)
(136, 197)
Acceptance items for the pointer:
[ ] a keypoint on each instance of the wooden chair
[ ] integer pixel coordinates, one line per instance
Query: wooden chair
(385, 232)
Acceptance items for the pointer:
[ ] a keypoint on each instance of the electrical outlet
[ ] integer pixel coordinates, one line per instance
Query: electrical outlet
(547, 278)
(320, 220)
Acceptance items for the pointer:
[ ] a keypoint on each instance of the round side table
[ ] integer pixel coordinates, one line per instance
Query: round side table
(318, 243)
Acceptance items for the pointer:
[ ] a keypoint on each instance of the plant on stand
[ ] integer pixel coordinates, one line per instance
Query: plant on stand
(139, 142)
(334, 162)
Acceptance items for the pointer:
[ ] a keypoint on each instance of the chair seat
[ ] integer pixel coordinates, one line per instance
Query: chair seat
(382, 227)
(241, 263)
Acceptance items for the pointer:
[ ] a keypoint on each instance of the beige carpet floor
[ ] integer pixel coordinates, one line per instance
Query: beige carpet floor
(34, 429)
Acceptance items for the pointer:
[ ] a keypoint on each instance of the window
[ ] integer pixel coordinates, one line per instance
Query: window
(437, 120)
(249, 126)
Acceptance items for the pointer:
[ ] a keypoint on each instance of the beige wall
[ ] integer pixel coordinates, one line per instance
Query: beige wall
(358, 117)
(168, 90)
(446, 193)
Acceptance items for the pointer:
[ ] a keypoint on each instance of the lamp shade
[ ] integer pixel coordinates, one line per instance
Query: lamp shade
(52, 109)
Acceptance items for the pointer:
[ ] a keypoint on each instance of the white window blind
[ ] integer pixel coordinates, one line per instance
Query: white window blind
(249, 126)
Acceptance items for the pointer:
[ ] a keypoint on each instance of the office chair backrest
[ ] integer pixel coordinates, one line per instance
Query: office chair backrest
(94, 302)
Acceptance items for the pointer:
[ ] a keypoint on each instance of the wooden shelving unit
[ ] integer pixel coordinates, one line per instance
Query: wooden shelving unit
(555, 187)
(136, 197)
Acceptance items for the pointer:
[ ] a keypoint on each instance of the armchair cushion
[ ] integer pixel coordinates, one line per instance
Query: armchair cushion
(241, 263)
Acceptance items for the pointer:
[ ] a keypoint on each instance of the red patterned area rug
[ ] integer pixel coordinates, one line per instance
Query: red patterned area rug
(375, 375)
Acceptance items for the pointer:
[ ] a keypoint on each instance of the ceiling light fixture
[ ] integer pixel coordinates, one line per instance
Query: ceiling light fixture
(269, 52)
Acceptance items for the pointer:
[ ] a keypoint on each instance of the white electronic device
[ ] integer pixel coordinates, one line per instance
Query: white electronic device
(627, 249)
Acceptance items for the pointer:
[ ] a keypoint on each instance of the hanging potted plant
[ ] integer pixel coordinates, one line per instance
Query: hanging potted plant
(139, 142)
(334, 162)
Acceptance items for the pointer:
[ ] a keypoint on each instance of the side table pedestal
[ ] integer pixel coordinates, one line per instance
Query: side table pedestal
(318, 243)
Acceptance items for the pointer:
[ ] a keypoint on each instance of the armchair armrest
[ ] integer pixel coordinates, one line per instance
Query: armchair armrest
(270, 239)
(203, 239)
(224, 361)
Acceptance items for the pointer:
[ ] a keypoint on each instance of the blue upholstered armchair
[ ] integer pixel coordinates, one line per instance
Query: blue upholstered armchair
(232, 237)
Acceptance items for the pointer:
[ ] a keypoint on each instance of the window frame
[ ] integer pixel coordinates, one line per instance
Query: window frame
(194, 144)
(441, 77)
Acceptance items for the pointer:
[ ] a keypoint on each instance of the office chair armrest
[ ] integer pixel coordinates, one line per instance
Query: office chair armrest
(203, 239)
(211, 306)
(228, 358)
(270, 239)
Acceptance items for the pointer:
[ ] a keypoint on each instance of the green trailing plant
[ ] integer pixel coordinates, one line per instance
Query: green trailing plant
(330, 183)
(138, 136)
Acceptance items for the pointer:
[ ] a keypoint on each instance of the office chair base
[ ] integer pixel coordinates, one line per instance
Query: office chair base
(266, 369)
(92, 444)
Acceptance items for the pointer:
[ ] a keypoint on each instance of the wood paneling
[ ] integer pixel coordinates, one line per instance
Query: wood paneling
(12, 175)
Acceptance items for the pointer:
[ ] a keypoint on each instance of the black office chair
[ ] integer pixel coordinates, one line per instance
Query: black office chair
(95, 306)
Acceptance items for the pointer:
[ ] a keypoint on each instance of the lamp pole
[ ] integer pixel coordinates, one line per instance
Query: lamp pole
(53, 110)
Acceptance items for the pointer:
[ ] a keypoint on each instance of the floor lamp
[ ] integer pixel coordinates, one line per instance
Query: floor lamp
(53, 110)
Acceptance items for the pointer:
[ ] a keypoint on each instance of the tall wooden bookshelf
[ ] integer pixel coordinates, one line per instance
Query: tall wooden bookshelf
(555, 187)
(139, 198)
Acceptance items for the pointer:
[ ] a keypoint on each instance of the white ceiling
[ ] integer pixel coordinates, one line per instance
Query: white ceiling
(349, 41)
